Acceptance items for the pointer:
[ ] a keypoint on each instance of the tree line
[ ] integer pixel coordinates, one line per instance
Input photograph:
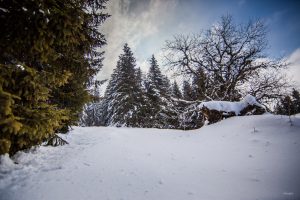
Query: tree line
(224, 63)
(133, 99)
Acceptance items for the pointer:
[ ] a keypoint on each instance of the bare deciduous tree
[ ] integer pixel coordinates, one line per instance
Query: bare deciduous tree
(267, 86)
(227, 53)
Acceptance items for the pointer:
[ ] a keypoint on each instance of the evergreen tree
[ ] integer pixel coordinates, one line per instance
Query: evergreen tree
(187, 91)
(199, 86)
(162, 112)
(26, 118)
(124, 94)
(289, 105)
(296, 101)
(158, 84)
(90, 115)
(154, 90)
(167, 86)
(285, 107)
(142, 112)
(176, 91)
(48, 58)
(83, 60)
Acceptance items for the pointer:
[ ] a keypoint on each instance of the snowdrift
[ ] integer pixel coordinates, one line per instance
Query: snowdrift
(215, 111)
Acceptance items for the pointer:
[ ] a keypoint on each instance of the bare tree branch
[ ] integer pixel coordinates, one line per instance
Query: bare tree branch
(230, 55)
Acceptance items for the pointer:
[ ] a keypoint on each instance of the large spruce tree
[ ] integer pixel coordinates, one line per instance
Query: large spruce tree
(123, 101)
(157, 83)
(48, 57)
(162, 112)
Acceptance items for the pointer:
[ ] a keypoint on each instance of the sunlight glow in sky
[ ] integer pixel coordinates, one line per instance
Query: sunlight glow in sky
(146, 24)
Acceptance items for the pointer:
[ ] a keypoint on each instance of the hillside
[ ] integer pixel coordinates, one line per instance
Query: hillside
(250, 157)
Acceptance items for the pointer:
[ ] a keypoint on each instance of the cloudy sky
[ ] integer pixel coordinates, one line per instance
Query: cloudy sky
(146, 24)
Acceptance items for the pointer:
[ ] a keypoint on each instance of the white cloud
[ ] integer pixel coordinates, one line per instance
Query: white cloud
(294, 67)
(132, 25)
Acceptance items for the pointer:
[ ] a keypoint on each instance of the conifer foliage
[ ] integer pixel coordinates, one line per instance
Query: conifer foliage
(133, 99)
(199, 86)
(48, 58)
(187, 91)
(176, 93)
(123, 101)
(26, 117)
(157, 83)
(162, 113)
(289, 105)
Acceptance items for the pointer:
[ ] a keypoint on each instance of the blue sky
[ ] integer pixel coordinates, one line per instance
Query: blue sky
(146, 24)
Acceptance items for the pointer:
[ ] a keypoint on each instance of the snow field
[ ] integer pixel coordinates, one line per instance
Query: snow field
(240, 158)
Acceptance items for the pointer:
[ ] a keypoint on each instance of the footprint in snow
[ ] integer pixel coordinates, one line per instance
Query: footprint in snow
(132, 173)
(267, 143)
(254, 180)
(255, 140)
(288, 193)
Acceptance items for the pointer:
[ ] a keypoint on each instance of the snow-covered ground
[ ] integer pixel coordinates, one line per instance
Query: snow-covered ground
(240, 158)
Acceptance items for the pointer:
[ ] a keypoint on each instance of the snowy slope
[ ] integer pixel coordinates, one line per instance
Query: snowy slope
(240, 158)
